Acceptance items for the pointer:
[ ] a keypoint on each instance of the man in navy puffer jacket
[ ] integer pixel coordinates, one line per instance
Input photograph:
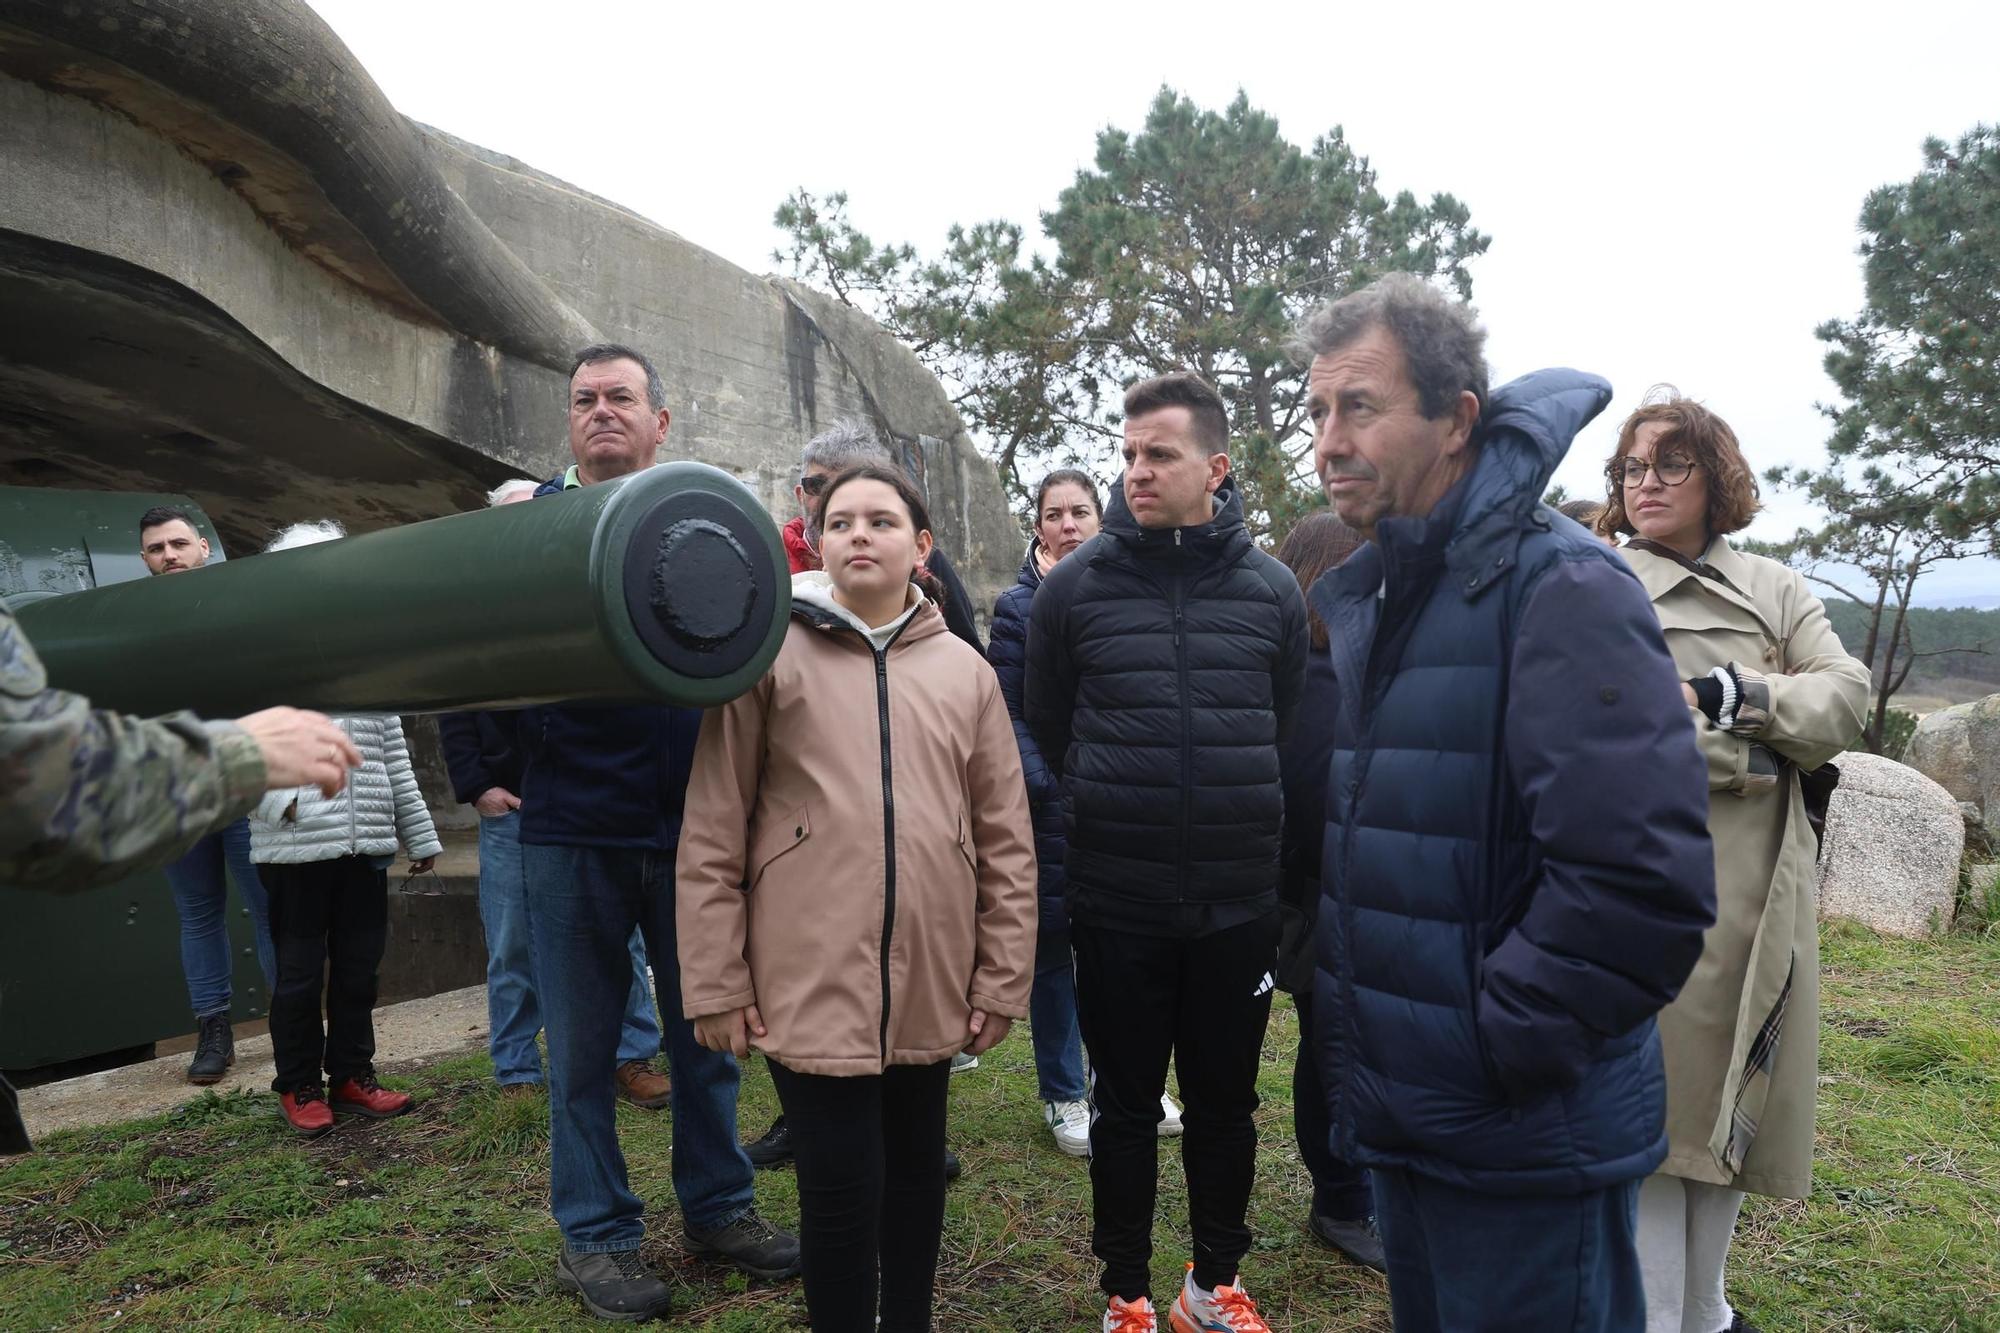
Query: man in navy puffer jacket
(1516, 866)
(601, 804)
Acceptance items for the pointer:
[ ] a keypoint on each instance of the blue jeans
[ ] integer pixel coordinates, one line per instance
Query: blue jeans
(513, 1016)
(1464, 1262)
(582, 905)
(201, 898)
(1052, 1021)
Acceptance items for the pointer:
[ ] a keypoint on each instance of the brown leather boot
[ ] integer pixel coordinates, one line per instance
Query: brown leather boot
(642, 1085)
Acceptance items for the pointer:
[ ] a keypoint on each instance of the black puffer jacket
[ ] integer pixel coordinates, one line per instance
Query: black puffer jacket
(1006, 653)
(1162, 667)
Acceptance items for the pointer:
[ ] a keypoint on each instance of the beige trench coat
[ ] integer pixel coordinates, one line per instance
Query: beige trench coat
(1753, 1133)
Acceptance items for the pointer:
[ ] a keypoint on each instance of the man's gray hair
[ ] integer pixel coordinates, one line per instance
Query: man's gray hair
(306, 534)
(511, 487)
(1442, 341)
(598, 353)
(843, 444)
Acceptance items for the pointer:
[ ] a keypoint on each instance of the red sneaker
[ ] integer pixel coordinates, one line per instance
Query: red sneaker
(306, 1111)
(364, 1096)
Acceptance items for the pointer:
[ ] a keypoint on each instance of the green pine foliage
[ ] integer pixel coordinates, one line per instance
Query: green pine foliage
(1913, 472)
(1194, 243)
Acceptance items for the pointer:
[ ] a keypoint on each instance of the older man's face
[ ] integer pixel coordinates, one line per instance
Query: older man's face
(1377, 454)
(612, 429)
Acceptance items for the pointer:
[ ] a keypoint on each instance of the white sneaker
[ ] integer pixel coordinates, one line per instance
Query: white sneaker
(1170, 1118)
(962, 1062)
(1224, 1310)
(1070, 1122)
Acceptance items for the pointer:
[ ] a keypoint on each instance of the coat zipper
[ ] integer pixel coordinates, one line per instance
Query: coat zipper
(888, 840)
(1187, 731)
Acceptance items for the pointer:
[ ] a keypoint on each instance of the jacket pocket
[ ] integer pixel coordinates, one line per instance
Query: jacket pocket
(965, 846)
(772, 843)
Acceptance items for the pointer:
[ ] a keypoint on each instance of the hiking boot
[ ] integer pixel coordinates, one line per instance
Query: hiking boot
(1170, 1118)
(214, 1049)
(1070, 1123)
(1227, 1309)
(1123, 1316)
(774, 1149)
(642, 1085)
(751, 1243)
(364, 1096)
(615, 1285)
(306, 1111)
(1358, 1239)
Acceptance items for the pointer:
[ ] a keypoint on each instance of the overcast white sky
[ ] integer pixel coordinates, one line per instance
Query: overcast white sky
(1671, 190)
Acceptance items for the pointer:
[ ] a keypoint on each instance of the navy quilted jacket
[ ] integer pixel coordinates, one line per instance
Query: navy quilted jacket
(1007, 651)
(1163, 665)
(1516, 869)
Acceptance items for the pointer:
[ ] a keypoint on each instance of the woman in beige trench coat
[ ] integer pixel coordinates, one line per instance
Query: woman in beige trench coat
(1771, 695)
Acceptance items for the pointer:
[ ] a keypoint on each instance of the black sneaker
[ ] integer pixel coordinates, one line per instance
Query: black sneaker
(951, 1166)
(1357, 1239)
(752, 1244)
(1738, 1324)
(615, 1285)
(774, 1149)
(214, 1050)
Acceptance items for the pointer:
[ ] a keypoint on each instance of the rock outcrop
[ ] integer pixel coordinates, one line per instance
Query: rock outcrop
(1893, 843)
(1959, 749)
(232, 270)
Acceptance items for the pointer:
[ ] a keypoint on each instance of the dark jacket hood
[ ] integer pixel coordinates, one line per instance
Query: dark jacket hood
(1528, 427)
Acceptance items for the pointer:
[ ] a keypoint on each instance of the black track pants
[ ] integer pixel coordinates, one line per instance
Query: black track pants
(1203, 1002)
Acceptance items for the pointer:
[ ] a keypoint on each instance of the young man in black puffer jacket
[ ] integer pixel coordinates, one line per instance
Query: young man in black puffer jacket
(1165, 658)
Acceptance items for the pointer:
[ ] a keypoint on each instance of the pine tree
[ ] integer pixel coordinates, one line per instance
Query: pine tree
(1194, 244)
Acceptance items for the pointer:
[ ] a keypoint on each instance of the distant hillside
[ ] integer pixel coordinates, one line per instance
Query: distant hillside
(1957, 676)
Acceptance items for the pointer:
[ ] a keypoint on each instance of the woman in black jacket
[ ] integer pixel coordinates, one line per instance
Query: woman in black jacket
(1067, 514)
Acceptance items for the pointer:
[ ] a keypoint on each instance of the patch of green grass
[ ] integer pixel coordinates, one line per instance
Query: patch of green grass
(217, 1217)
(1930, 1050)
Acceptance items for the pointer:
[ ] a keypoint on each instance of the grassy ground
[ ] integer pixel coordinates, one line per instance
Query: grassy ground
(216, 1217)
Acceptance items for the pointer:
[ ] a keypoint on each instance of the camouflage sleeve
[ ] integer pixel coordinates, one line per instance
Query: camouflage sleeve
(91, 796)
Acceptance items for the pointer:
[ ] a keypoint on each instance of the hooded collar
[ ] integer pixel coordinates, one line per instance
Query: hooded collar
(1222, 535)
(1528, 426)
(1031, 571)
(813, 602)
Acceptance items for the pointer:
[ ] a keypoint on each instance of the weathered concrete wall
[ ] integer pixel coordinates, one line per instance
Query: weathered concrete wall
(208, 293)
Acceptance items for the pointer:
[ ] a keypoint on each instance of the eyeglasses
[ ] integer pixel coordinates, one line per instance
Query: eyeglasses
(814, 484)
(1630, 472)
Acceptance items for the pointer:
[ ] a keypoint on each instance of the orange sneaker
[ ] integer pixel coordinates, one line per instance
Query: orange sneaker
(1227, 1309)
(364, 1096)
(1123, 1316)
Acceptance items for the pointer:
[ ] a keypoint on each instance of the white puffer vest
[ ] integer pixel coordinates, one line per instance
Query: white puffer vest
(380, 806)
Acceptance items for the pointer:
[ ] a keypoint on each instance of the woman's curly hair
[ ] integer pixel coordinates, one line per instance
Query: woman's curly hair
(1706, 438)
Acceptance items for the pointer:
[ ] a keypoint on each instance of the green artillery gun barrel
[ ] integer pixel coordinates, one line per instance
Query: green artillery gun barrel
(668, 585)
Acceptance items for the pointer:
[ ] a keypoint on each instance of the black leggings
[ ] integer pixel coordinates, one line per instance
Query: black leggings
(870, 1155)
